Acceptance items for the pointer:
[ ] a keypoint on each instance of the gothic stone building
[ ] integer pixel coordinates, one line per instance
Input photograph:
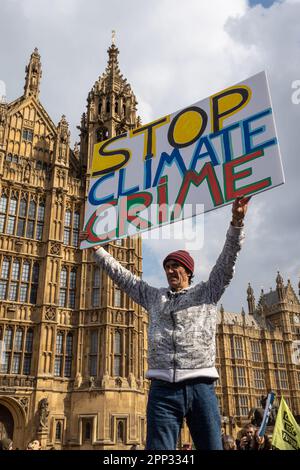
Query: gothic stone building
(259, 352)
(73, 347)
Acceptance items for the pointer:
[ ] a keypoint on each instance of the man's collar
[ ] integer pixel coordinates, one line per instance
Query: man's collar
(173, 293)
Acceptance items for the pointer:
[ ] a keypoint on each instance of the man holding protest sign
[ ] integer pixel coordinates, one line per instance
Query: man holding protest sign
(182, 327)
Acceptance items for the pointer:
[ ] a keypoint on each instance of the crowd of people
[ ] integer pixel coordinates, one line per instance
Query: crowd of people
(7, 444)
(249, 439)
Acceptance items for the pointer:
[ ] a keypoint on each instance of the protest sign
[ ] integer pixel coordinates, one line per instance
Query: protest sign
(207, 154)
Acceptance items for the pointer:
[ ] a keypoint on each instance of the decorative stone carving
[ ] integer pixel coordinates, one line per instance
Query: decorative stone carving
(94, 317)
(50, 313)
(118, 382)
(78, 380)
(55, 248)
(91, 383)
(24, 402)
(131, 380)
(43, 411)
(119, 317)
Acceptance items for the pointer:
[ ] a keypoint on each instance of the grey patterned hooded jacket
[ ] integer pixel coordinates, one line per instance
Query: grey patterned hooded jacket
(182, 325)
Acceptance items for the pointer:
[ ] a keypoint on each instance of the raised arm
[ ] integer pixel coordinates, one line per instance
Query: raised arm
(223, 270)
(136, 288)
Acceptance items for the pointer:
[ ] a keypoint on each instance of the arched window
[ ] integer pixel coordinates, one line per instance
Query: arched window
(67, 229)
(116, 106)
(87, 430)
(40, 220)
(108, 106)
(15, 276)
(16, 364)
(31, 220)
(118, 354)
(68, 355)
(96, 287)
(34, 283)
(25, 282)
(59, 354)
(67, 291)
(22, 218)
(28, 352)
(72, 289)
(18, 339)
(3, 208)
(58, 431)
(93, 355)
(4, 278)
(71, 228)
(100, 106)
(101, 134)
(12, 211)
(117, 297)
(63, 287)
(6, 359)
(121, 431)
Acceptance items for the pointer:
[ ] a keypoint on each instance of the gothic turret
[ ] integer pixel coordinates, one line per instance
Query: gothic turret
(33, 75)
(280, 287)
(250, 299)
(112, 105)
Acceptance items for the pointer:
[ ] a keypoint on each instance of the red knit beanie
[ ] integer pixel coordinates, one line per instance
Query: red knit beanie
(183, 257)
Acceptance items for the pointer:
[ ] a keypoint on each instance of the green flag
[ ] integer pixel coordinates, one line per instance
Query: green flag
(286, 435)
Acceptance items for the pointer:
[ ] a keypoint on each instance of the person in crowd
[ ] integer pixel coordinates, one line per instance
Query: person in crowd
(6, 444)
(186, 446)
(250, 440)
(228, 442)
(34, 445)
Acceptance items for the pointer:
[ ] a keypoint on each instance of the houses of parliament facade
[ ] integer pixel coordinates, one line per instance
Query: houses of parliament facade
(73, 347)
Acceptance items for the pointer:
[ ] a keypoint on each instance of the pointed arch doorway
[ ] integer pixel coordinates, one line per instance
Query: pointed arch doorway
(6, 423)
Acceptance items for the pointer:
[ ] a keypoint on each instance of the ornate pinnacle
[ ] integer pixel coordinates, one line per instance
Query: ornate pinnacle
(279, 280)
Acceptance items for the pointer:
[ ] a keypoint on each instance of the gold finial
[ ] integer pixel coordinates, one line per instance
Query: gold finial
(113, 37)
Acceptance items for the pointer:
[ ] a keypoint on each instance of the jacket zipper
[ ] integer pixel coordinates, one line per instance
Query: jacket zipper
(174, 345)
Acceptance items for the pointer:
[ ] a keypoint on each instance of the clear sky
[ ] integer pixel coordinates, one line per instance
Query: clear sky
(175, 53)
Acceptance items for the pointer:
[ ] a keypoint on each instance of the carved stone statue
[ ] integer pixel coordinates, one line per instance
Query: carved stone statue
(43, 414)
(78, 380)
(91, 382)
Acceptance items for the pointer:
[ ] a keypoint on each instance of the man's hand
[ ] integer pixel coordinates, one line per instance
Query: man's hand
(83, 236)
(239, 209)
(243, 442)
(260, 439)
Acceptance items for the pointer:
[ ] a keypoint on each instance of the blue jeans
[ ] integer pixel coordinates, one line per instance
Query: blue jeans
(169, 403)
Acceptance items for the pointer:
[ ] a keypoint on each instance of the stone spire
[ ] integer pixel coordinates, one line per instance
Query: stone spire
(33, 75)
(250, 299)
(113, 64)
(280, 286)
(112, 105)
